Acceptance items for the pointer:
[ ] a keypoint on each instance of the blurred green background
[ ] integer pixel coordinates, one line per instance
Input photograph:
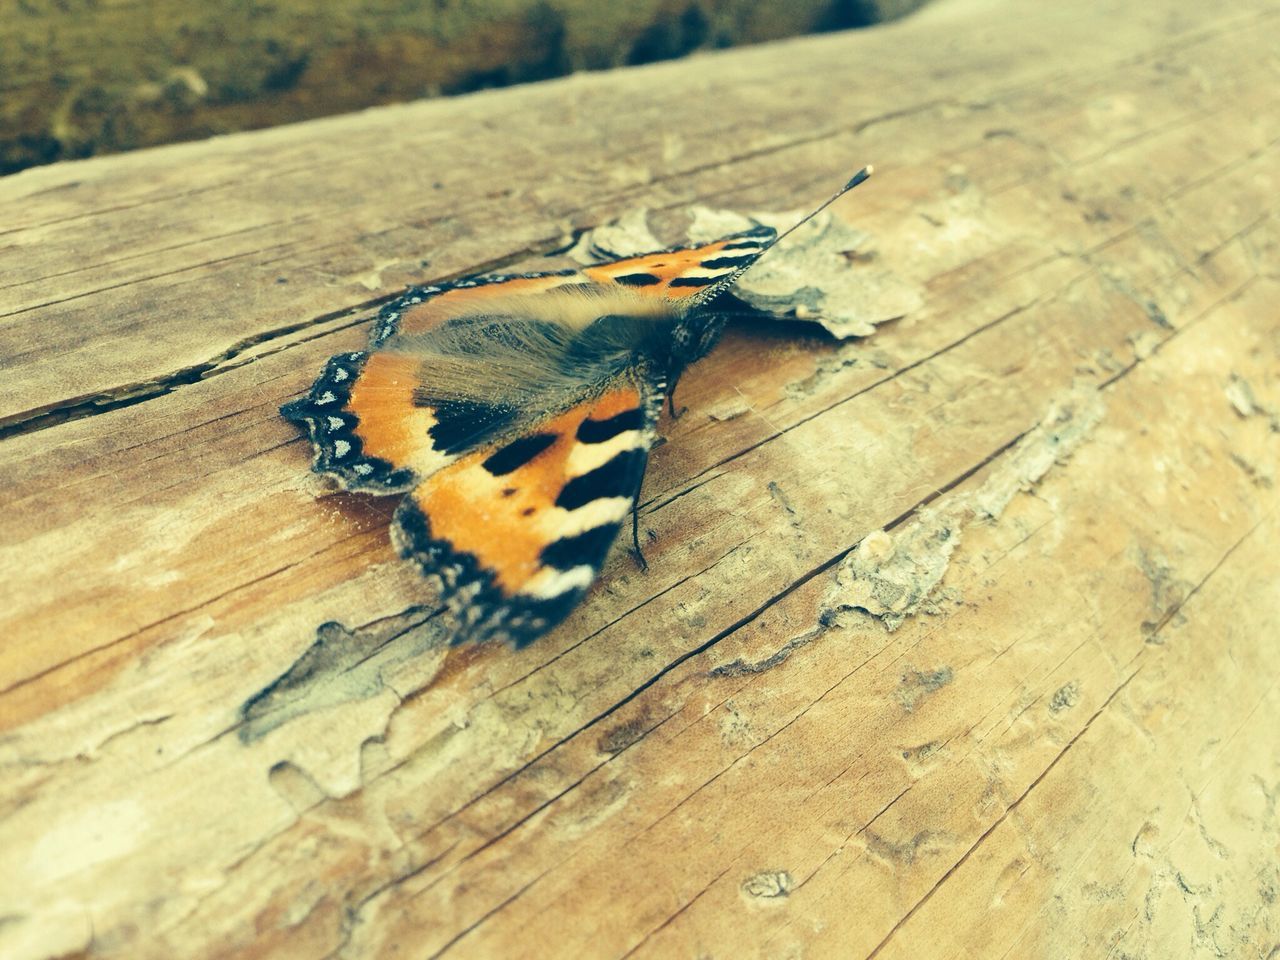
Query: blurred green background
(83, 77)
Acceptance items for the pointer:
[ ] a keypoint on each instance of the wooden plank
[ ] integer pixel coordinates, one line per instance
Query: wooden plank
(731, 754)
(118, 76)
(345, 210)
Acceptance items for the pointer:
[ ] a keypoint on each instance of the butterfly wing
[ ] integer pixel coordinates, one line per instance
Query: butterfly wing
(368, 430)
(685, 272)
(516, 419)
(425, 308)
(481, 364)
(517, 531)
(676, 274)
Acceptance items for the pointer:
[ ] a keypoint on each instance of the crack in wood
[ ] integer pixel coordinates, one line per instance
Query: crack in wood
(364, 858)
(915, 908)
(1060, 754)
(128, 394)
(116, 641)
(76, 408)
(685, 906)
(741, 668)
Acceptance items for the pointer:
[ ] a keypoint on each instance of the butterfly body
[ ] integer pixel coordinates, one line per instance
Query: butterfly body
(516, 414)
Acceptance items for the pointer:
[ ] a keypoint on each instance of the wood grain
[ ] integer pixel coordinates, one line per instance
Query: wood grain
(89, 79)
(958, 640)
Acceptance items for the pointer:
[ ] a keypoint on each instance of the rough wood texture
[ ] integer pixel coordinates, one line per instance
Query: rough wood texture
(90, 77)
(1065, 748)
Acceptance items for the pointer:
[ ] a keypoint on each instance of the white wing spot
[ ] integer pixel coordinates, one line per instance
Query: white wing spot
(550, 583)
(596, 513)
(341, 448)
(585, 457)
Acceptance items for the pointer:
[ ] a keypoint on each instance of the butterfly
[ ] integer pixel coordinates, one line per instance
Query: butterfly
(516, 413)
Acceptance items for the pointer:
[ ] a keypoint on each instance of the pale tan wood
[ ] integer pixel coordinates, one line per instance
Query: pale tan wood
(1063, 749)
(97, 79)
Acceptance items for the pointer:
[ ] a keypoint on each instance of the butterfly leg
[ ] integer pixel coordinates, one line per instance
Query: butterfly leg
(671, 401)
(641, 562)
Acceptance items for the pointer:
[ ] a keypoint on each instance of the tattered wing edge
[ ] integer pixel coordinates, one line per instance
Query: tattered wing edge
(338, 449)
(485, 611)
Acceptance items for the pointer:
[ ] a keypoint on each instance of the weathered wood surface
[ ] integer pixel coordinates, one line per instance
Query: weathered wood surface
(1066, 748)
(82, 79)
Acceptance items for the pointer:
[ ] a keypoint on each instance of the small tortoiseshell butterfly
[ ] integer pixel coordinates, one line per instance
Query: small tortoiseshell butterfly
(517, 413)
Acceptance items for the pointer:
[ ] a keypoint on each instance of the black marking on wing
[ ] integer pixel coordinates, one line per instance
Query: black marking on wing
(637, 279)
(756, 239)
(484, 609)
(599, 431)
(517, 453)
(617, 478)
(588, 547)
(717, 263)
(462, 424)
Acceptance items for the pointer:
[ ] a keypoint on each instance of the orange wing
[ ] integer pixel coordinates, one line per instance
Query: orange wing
(519, 530)
(369, 427)
(686, 271)
(365, 428)
(677, 273)
(425, 308)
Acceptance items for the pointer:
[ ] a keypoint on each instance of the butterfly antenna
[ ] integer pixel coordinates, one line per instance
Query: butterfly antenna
(856, 179)
(726, 282)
